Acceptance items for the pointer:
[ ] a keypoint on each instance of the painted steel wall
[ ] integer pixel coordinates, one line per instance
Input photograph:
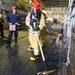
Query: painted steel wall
(72, 52)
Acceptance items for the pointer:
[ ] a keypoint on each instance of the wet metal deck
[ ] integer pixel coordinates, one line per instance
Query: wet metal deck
(14, 60)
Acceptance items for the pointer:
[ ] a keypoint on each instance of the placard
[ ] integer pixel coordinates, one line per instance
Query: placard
(12, 27)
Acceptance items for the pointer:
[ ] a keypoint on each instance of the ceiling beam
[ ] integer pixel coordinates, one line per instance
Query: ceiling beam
(55, 6)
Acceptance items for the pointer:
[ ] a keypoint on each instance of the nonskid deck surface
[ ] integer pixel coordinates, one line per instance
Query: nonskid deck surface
(14, 60)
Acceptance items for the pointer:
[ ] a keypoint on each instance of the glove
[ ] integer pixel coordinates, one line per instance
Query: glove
(35, 28)
(32, 21)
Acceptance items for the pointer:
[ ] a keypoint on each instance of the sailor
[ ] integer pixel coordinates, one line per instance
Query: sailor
(13, 19)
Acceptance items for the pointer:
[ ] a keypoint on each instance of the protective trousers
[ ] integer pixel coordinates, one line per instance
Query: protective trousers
(10, 36)
(33, 39)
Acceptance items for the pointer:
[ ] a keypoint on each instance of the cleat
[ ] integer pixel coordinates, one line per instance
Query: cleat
(34, 58)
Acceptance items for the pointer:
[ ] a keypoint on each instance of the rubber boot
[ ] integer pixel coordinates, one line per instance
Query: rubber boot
(30, 49)
(35, 57)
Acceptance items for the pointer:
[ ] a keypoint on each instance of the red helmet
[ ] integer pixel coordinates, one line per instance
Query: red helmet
(36, 5)
(13, 8)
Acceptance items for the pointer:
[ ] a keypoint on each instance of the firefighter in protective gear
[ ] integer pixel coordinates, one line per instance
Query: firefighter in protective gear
(36, 22)
(13, 19)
